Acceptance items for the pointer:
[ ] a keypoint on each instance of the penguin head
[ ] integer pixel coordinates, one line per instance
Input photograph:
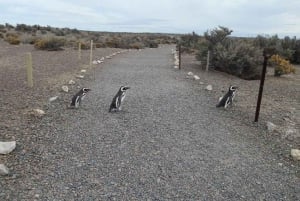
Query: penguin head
(124, 88)
(85, 90)
(232, 88)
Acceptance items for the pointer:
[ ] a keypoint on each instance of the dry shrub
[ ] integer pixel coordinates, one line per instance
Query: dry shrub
(53, 44)
(282, 66)
(136, 45)
(100, 45)
(13, 39)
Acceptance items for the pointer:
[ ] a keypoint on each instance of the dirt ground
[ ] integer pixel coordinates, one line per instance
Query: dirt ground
(280, 103)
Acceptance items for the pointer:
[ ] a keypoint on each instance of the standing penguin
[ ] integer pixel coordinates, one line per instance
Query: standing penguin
(118, 99)
(77, 98)
(228, 98)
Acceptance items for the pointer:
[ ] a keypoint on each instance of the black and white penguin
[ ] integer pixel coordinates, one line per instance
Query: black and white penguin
(228, 98)
(118, 99)
(77, 98)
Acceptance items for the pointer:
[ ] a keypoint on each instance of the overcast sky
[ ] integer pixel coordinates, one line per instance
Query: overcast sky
(244, 17)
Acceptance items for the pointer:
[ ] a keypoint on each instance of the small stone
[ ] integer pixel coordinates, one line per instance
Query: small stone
(94, 62)
(83, 71)
(37, 112)
(175, 66)
(80, 76)
(271, 127)
(190, 73)
(280, 164)
(36, 196)
(201, 83)
(54, 98)
(71, 82)
(65, 88)
(3, 170)
(209, 87)
(295, 153)
(196, 77)
(7, 147)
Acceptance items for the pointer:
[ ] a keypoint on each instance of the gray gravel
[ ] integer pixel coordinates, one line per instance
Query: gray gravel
(170, 142)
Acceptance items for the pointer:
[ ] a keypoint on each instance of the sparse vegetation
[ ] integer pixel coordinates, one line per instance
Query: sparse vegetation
(241, 56)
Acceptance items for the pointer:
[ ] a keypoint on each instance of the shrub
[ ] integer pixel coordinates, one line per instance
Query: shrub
(238, 58)
(100, 45)
(13, 39)
(136, 45)
(53, 44)
(282, 66)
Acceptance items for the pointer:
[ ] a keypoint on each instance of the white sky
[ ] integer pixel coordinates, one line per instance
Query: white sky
(244, 17)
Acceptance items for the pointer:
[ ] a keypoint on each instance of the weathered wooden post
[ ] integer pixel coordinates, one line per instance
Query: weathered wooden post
(267, 53)
(91, 53)
(179, 56)
(79, 50)
(207, 62)
(29, 69)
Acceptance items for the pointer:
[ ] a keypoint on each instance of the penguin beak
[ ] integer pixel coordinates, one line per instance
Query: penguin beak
(126, 88)
(87, 90)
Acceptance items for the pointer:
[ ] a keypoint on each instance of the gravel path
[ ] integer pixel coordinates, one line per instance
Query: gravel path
(168, 143)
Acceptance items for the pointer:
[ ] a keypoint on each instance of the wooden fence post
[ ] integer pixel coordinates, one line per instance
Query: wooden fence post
(79, 50)
(179, 56)
(261, 87)
(91, 53)
(207, 62)
(267, 53)
(29, 69)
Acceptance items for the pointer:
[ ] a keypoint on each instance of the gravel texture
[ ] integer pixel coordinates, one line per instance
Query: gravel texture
(170, 142)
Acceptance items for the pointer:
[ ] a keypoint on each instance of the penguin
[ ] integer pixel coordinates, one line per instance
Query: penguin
(227, 98)
(77, 98)
(118, 99)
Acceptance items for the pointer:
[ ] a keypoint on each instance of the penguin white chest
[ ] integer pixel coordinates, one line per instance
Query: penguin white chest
(122, 97)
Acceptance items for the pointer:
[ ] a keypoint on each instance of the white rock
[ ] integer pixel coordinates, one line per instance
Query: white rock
(175, 66)
(80, 76)
(65, 88)
(209, 87)
(83, 71)
(3, 170)
(196, 77)
(201, 83)
(54, 98)
(271, 127)
(7, 147)
(94, 62)
(71, 82)
(37, 112)
(295, 153)
(190, 73)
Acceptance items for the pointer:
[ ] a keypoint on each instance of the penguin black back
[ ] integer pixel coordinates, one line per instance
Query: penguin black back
(118, 99)
(227, 98)
(78, 97)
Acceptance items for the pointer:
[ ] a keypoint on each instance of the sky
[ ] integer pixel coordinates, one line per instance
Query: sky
(247, 18)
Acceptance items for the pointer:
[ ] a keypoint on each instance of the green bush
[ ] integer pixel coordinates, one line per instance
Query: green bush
(238, 58)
